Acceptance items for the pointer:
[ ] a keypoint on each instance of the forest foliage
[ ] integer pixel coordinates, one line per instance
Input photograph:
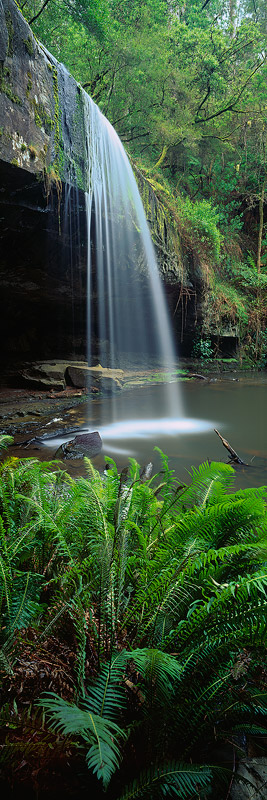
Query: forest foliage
(134, 615)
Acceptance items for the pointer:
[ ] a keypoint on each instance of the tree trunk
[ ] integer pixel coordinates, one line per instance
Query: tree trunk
(232, 17)
(258, 318)
(261, 202)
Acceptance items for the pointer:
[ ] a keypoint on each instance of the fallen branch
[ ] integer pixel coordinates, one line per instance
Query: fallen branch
(197, 375)
(234, 457)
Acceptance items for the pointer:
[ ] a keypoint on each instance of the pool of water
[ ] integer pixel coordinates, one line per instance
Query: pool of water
(137, 423)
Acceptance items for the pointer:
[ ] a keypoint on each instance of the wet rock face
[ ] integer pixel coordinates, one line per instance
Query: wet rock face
(254, 774)
(4, 36)
(41, 112)
(42, 273)
(42, 221)
(27, 95)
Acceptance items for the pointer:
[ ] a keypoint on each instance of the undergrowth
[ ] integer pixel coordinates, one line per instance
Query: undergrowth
(133, 626)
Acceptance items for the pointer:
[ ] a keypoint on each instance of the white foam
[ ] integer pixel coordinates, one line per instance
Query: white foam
(148, 428)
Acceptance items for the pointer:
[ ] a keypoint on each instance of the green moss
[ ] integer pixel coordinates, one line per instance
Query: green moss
(41, 117)
(79, 132)
(10, 30)
(79, 176)
(29, 84)
(23, 147)
(160, 213)
(29, 45)
(10, 94)
(56, 121)
(49, 66)
(6, 87)
(14, 162)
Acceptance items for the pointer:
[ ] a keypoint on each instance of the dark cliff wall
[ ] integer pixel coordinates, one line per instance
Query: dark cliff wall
(42, 141)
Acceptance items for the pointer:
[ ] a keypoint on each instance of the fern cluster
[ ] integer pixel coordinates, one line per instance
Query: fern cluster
(167, 583)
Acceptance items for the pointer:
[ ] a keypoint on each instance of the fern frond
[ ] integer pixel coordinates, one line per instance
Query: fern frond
(5, 441)
(107, 696)
(103, 735)
(160, 671)
(172, 779)
(204, 482)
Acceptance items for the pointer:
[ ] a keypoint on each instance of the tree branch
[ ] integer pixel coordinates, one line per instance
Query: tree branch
(233, 103)
(39, 12)
(131, 138)
(204, 98)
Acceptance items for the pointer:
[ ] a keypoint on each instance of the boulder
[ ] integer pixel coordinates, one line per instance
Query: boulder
(86, 444)
(44, 376)
(105, 380)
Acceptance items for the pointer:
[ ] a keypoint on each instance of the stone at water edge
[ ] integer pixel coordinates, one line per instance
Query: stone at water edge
(87, 444)
(105, 380)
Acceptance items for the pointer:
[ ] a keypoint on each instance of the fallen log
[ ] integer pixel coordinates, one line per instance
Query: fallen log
(234, 457)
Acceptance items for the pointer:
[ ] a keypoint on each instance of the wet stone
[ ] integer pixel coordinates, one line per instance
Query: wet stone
(88, 444)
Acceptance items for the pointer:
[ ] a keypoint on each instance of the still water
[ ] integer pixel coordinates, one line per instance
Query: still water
(236, 407)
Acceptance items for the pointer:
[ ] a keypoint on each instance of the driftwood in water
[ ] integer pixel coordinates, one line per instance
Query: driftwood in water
(197, 375)
(234, 457)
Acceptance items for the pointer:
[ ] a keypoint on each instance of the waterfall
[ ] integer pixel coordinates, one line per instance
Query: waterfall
(127, 312)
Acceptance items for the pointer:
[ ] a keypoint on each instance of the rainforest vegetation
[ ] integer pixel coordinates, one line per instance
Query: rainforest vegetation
(185, 85)
(133, 606)
(133, 634)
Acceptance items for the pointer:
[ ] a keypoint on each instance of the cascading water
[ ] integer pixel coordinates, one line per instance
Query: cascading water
(128, 323)
(127, 317)
(127, 311)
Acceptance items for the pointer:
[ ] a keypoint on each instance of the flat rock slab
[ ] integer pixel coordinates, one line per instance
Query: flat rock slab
(57, 374)
(87, 444)
(39, 376)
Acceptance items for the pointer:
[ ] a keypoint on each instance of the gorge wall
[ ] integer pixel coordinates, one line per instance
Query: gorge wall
(43, 220)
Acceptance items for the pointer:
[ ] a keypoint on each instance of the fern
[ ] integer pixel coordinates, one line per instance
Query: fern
(102, 735)
(160, 672)
(166, 583)
(5, 441)
(171, 780)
